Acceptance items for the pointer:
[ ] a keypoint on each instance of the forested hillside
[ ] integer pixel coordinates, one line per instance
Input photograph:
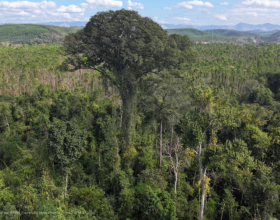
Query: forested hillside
(203, 140)
(263, 33)
(191, 32)
(34, 33)
(208, 36)
(228, 36)
(232, 33)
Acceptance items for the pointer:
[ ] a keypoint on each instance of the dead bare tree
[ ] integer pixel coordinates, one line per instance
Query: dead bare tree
(177, 158)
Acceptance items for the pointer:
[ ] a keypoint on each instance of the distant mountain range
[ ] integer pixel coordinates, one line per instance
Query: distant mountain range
(67, 24)
(238, 27)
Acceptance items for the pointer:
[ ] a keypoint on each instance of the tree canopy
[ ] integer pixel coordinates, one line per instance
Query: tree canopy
(206, 140)
(124, 47)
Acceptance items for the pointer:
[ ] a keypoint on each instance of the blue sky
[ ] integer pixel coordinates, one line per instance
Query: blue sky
(194, 12)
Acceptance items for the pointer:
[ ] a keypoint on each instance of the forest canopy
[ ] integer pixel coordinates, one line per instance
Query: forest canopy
(205, 130)
(130, 47)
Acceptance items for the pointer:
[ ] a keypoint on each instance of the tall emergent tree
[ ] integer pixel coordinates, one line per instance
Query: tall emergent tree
(124, 47)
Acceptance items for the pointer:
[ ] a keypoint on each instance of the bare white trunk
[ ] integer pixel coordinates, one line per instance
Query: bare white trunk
(202, 182)
(174, 152)
(171, 134)
(160, 144)
(223, 211)
(65, 191)
(202, 203)
(176, 169)
(176, 180)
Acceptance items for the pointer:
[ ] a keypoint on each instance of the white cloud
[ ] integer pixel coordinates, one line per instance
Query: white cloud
(252, 14)
(190, 4)
(184, 5)
(44, 11)
(28, 5)
(159, 21)
(221, 17)
(241, 10)
(104, 3)
(200, 3)
(49, 11)
(70, 8)
(56, 14)
(83, 5)
(186, 20)
(263, 3)
(224, 3)
(23, 13)
(131, 4)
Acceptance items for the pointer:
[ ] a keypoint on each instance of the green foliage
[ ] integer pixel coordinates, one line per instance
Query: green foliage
(225, 32)
(142, 47)
(91, 199)
(33, 33)
(153, 204)
(53, 121)
(262, 96)
(66, 143)
(191, 32)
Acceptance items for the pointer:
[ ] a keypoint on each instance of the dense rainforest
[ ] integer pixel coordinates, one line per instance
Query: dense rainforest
(202, 140)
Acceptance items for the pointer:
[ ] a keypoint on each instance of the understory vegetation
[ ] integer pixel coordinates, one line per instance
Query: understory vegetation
(215, 128)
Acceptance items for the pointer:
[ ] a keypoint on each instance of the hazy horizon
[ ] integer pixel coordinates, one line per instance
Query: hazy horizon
(199, 13)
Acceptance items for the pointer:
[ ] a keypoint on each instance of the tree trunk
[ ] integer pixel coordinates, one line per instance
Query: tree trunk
(160, 144)
(202, 203)
(171, 135)
(129, 100)
(66, 179)
(7, 122)
(202, 182)
(176, 179)
(194, 177)
(223, 211)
